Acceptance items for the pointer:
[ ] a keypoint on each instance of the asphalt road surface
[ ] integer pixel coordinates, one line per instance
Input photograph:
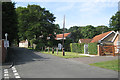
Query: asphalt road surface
(30, 64)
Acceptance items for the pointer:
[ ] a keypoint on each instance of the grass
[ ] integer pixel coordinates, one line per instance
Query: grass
(112, 65)
(67, 54)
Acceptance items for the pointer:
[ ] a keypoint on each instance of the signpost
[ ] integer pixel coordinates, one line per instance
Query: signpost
(6, 42)
(59, 46)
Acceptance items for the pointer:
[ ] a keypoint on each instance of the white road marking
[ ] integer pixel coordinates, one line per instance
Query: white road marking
(6, 75)
(15, 72)
(17, 77)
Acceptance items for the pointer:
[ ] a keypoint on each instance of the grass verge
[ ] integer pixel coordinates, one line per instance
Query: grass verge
(67, 54)
(112, 65)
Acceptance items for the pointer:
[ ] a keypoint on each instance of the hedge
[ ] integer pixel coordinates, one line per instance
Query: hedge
(92, 48)
(77, 47)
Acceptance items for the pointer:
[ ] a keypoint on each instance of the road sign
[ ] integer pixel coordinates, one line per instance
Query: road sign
(6, 43)
(59, 46)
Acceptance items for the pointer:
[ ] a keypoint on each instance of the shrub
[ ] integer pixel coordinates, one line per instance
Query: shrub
(77, 47)
(92, 48)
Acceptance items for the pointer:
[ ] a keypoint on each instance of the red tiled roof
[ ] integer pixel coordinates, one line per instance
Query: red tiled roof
(85, 40)
(61, 35)
(22, 41)
(99, 37)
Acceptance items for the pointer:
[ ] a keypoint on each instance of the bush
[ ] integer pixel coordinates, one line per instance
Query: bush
(77, 47)
(92, 48)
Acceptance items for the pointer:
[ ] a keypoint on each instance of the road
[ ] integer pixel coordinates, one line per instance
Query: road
(30, 64)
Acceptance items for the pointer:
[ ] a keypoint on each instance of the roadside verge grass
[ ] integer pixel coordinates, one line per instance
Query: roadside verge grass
(112, 65)
(67, 54)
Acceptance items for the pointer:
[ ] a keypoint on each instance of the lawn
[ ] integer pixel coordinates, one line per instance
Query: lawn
(67, 54)
(112, 65)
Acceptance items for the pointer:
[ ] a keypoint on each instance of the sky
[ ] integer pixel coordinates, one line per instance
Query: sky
(77, 12)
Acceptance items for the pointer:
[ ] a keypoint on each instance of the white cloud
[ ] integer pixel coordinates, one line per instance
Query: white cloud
(96, 6)
(65, 7)
(18, 5)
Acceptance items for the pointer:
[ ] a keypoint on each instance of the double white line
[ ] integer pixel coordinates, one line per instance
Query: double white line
(6, 75)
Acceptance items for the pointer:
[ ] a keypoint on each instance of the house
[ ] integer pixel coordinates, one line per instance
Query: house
(110, 37)
(84, 40)
(60, 36)
(104, 38)
(23, 43)
(116, 41)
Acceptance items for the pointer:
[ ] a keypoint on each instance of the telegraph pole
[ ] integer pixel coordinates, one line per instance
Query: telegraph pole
(63, 36)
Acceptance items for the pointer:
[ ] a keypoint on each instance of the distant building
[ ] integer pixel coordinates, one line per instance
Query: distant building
(119, 6)
(84, 40)
(23, 44)
(60, 36)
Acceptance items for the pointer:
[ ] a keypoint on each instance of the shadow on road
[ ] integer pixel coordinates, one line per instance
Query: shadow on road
(22, 56)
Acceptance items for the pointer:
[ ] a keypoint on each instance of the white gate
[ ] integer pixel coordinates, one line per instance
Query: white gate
(85, 48)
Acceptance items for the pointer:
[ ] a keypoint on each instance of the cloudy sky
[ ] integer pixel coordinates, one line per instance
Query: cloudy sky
(77, 12)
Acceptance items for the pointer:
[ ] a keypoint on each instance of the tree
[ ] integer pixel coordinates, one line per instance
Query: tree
(35, 23)
(89, 31)
(102, 29)
(76, 35)
(115, 21)
(57, 29)
(9, 21)
(73, 28)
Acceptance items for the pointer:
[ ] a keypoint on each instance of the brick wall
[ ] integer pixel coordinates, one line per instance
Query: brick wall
(115, 43)
(3, 50)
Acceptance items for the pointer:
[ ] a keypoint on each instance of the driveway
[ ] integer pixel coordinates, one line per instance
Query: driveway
(30, 64)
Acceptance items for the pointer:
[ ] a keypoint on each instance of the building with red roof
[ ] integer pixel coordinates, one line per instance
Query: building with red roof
(84, 40)
(60, 36)
(105, 37)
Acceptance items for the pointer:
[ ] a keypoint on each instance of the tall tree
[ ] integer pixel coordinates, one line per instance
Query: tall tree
(89, 31)
(102, 29)
(35, 23)
(76, 35)
(9, 21)
(73, 28)
(115, 21)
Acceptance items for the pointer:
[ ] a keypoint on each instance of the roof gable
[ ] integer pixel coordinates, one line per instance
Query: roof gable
(101, 36)
(117, 34)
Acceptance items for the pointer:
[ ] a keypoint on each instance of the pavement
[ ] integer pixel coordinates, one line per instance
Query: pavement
(95, 59)
(30, 64)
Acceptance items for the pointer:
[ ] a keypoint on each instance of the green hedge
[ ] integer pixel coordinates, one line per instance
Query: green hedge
(77, 47)
(92, 48)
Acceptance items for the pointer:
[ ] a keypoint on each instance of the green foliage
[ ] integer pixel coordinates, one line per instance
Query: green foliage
(35, 22)
(115, 21)
(89, 32)
(102, 29)
(92, 48)
(67, 44)
(9, 21)
(77, 47)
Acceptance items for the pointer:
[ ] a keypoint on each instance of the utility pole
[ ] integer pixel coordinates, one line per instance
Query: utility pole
(63, 36)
